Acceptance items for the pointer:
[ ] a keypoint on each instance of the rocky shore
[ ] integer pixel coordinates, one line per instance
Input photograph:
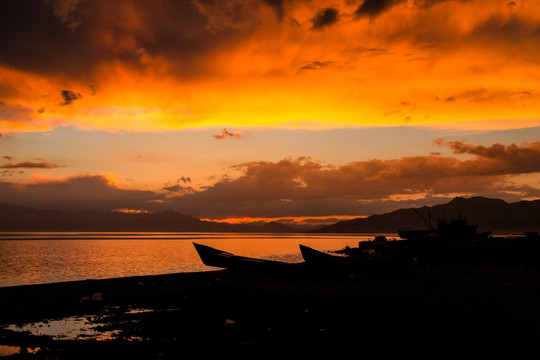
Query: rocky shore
(444, 311)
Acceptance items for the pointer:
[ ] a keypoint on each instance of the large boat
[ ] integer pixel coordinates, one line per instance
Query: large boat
(454, 230)
(218, 258)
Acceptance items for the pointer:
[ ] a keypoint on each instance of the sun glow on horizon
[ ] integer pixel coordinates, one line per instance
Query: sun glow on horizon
(291, 220)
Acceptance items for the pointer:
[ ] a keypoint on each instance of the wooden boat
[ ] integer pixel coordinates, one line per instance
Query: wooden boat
(218, 258)
(314, 257)
(322, 260)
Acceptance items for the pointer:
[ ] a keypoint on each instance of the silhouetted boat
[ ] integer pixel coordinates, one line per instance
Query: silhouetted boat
(218, 258)
(454, 230)
(312, 256)
(326, 261)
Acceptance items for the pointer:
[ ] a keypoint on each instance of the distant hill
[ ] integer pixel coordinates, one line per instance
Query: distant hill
(20, 218)
(493, 215)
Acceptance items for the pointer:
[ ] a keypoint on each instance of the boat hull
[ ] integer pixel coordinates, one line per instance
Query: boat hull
(329, 262)
(218, 258)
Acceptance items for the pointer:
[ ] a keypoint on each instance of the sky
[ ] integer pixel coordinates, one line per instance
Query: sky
(306, 110)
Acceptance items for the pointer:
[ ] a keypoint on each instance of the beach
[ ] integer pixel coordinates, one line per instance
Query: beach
(443, 311)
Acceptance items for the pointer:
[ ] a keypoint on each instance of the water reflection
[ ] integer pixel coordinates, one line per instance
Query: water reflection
(84, 327)
(37, 258)
(70, 328)
(7, 350)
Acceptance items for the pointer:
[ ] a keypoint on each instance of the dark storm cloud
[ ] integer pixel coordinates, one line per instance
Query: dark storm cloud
(29, 165)
(69, 97)
(33, 38)
(373, 8)
(325, 17)
(514, 35)
(73, 39)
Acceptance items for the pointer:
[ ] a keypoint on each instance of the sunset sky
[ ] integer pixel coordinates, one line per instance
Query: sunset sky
(270, 109)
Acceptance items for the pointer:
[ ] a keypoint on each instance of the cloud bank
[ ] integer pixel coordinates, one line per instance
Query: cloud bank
(304, 187)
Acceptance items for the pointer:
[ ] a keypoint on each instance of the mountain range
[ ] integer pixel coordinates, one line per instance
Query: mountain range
(20, 218)
(495, 215)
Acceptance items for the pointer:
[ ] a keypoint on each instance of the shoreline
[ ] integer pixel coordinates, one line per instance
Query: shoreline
(440, 311)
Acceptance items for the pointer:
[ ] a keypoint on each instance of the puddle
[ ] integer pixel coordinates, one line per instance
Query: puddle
(7, 350)
(70, 328)
(138, 311)
(84, 327)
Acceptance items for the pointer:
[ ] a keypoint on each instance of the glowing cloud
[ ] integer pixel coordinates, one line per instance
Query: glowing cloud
(176, 65)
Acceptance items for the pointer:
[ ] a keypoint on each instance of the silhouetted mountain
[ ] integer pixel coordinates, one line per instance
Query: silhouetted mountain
(493, 215)
(277, 227)
(20, 218)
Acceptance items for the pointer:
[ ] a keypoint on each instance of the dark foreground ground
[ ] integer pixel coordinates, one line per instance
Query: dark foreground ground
(438, 312)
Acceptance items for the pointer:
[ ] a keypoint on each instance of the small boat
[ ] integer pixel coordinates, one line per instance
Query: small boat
(218, 258)
(316, 258)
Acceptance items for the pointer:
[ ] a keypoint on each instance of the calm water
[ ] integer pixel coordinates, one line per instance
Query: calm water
(37, 258)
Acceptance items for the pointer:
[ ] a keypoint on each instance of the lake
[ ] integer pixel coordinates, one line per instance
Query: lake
(38, 258)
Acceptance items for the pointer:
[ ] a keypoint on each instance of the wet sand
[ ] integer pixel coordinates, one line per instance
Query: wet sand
(444, 311)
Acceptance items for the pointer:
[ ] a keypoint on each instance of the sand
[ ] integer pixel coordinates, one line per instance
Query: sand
(444, 311)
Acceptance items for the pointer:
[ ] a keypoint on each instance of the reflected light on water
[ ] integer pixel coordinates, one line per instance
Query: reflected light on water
(7, 350)
(82, 327)
(37, 258)
(70, 328)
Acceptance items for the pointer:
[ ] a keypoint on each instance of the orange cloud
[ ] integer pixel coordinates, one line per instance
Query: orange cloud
(303, 187)
(174, 65)
(311, 188)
